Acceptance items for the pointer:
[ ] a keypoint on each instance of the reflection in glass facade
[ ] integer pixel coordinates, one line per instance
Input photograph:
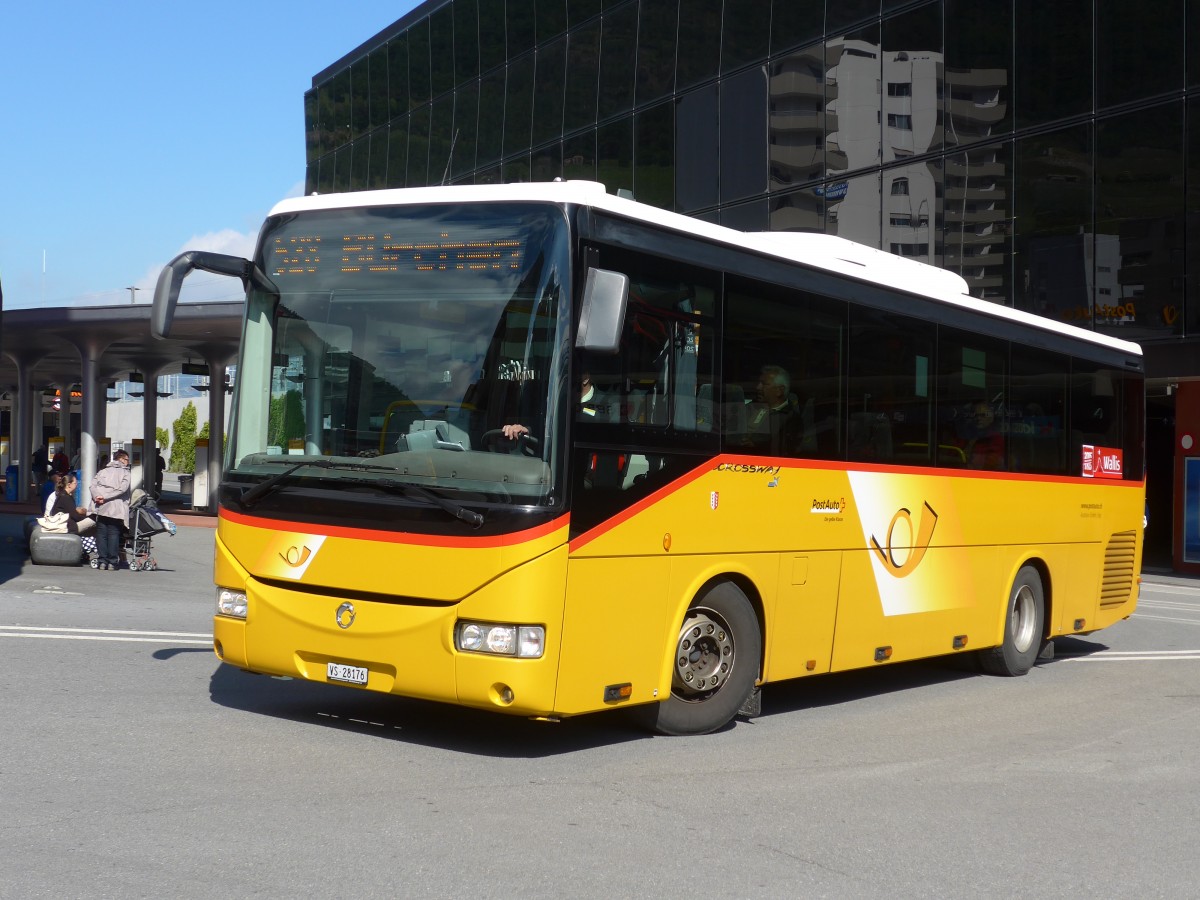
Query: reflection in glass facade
(1047, 152)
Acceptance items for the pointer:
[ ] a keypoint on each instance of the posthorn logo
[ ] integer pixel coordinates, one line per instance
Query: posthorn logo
(296, 556)
(901, 553)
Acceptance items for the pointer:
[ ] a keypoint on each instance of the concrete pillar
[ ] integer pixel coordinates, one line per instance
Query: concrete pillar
(216, 431)
(149, 430)
(37, 425)
(93, 414)
(23, 440)
(64, 417)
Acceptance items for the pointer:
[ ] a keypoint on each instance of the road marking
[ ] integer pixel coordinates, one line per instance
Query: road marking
(105, 634)
(101, 630)
(1132, 656)
(1168, 588)
(1169, 605)
(1168, 619)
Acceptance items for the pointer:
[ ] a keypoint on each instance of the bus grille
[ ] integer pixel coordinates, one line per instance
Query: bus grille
(1118, 569)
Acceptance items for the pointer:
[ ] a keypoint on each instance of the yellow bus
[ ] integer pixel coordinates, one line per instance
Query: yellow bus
(546, 451)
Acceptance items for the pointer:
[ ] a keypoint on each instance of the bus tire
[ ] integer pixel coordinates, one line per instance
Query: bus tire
(715, 663)
(1023, 627)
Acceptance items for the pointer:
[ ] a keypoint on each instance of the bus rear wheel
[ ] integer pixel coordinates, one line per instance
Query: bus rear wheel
(1023, 627)
(715, 664)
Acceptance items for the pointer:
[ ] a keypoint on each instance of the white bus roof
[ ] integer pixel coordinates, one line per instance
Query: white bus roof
(820, 251)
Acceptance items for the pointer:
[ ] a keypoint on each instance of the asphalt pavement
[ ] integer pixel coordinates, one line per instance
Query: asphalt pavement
(133, 764)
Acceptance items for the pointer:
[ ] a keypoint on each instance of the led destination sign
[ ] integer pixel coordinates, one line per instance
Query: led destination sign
(351, 254)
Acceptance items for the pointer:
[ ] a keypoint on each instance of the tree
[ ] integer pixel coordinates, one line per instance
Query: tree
(183, 448)
(286, 420)
(206, 436)
(162, 440)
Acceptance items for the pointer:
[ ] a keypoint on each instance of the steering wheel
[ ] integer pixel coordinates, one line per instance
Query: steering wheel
(495, 440)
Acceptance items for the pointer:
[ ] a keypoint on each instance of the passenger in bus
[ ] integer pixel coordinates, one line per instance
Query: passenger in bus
(774, 424)
(985, 449)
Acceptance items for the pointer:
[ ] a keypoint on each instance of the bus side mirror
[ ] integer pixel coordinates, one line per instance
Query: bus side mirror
(602, 315)
(170, 280)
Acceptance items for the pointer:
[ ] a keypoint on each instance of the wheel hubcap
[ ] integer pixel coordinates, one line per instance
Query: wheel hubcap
(1024, 619)
(704, 656)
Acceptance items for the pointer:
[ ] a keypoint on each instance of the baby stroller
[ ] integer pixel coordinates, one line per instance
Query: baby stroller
(145, 521)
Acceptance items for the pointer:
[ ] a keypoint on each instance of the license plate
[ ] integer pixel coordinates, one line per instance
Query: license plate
(348, 674)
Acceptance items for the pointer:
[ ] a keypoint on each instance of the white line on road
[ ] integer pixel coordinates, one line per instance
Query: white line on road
(102, 630)
(1167, 619)
(1168, 588)
(105, 634)
(84, 637)
(1132, 656)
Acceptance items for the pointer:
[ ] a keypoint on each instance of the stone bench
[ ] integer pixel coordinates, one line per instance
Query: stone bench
(50, 548)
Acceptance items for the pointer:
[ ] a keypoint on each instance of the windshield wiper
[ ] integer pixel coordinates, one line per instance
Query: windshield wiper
(411, 491)
(260, 490)
(263, 488)
(457, 510)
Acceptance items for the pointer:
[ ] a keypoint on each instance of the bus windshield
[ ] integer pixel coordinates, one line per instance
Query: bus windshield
(398, 344)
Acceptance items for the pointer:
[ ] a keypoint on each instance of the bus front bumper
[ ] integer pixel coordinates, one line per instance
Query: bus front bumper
(400, 647)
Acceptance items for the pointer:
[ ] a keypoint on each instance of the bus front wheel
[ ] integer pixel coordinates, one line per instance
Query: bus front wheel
(1023, 626)
(715, 664)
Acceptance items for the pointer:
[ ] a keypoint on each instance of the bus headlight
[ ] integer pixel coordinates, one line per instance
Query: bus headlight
(231, 603)
(522, 641)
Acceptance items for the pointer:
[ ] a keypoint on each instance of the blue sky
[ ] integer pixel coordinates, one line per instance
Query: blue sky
(132, 131)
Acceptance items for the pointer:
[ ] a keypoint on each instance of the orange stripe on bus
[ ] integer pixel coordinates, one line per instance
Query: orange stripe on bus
(648, 501)
(792, 464)
(392, 537)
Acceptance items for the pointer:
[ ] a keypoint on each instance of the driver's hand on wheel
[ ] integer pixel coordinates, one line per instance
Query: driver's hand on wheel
(512, 432)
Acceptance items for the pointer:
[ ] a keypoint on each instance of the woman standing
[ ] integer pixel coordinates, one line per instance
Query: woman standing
(111, 493)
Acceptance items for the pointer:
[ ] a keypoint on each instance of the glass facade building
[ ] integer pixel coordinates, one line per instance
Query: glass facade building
(1047, 152)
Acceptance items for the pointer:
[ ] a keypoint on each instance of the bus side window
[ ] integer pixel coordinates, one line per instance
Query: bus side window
(890, 387)
(784, 357)
(733, 414)
(975, 413)
(870, 437)
(1037, 396)
(704, 407)
(1107, 410)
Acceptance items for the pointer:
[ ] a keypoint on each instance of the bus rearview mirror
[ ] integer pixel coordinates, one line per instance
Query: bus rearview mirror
(170, 280)
(602, 314)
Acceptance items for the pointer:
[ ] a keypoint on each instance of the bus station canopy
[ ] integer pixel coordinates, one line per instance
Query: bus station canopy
(57, 348)
(51, 342)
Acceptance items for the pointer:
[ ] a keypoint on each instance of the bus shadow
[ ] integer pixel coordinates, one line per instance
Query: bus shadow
(1074, 646)
(484, 733)
(401, 719)
(847, 687)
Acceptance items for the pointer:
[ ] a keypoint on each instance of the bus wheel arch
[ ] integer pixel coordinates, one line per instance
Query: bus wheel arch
(1025, 618)
(719, 642)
